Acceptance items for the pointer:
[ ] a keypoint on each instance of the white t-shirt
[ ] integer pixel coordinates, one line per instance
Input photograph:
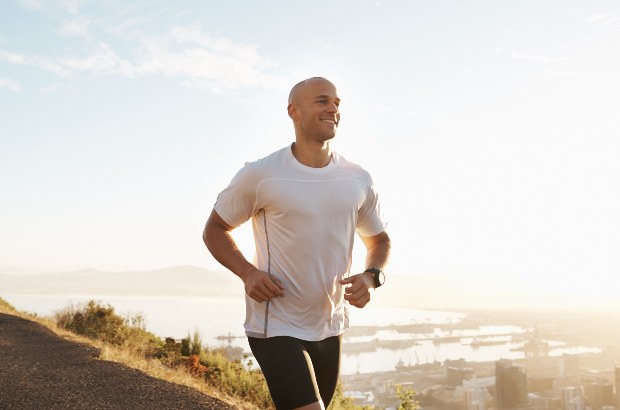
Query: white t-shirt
(304, 220)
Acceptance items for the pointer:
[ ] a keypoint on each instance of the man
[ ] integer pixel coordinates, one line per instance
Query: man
(306, 202)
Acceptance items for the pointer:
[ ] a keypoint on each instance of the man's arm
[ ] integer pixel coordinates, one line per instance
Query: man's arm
(378, 250)
(259, 285)
(377, 254)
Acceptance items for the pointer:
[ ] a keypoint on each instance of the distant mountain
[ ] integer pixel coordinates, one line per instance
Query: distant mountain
(482, 292)
(180, 280)
(428, 292)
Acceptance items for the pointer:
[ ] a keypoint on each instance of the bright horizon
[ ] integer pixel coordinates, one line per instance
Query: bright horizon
(491, 130)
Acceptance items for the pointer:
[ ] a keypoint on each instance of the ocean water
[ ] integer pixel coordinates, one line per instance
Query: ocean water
(214, 317)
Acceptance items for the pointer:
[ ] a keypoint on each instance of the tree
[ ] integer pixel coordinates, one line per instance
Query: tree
(406, 397)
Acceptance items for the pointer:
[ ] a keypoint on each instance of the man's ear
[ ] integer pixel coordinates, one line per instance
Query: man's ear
(293, 111)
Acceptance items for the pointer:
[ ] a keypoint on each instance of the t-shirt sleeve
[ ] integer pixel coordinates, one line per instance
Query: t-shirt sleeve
(370, 221)
(237, 203)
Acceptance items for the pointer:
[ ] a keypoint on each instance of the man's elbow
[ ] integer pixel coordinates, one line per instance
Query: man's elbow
(383, 244)
(387, 240)
(383, 239)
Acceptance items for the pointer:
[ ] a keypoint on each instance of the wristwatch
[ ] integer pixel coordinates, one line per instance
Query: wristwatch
(378, 276)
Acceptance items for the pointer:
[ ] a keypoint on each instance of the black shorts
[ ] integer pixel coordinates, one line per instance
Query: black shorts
(298, 372)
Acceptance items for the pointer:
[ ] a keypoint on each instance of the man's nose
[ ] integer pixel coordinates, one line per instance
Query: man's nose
(332, 107)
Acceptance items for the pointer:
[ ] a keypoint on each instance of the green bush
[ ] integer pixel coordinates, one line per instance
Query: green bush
(195, 343)
(170, 353)
(100, 322)
(341, 402)
(94, 321)
(185, 346)
(233, 378)
(407, 398)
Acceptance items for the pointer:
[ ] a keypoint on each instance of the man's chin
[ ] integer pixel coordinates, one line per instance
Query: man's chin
(323, 137)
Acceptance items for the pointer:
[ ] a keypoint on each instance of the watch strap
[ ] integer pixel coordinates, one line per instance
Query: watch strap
(378, 276)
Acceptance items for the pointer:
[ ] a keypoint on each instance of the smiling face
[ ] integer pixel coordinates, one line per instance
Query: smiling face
(313, 106)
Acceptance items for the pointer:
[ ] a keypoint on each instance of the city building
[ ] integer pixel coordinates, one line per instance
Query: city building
(456, 375)
(599, 393)
(510, 386)
(617, 382)
(540, 385)
(477, 398)
(544, 401)
(569, 365)
(572, 398)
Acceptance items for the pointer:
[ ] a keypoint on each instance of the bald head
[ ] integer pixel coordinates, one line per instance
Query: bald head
(297, 88)
(313, 105)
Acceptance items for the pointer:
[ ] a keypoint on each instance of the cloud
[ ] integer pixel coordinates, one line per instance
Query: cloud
(600, 19)
(10, 85)
(33, 5)
(49, 6)
(538, 58)
(50, 89)
(184, 54)
(126, 40)
(13, 58)
(196, 58)
(38, 62)
(77, 27)
(72, 6)
(101, 61)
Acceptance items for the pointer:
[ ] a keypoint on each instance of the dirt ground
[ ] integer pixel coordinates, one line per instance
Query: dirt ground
(40, 370)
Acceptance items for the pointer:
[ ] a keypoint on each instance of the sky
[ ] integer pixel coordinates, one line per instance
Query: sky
(491, 129)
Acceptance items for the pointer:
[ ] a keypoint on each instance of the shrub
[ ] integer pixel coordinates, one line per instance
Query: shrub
(194, 366)
(94, 321)
(341, 402)
(195, 343)
(185, 349)
(170, 353)
(100, 322)
(233, 378)
(407, 398)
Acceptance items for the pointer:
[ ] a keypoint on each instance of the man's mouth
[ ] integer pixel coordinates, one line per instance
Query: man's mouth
(332, 122)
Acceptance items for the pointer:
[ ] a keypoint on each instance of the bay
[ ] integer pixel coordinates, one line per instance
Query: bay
(214, 318)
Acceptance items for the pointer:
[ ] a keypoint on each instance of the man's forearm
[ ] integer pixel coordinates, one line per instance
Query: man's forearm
(378, 252)
(224, 249)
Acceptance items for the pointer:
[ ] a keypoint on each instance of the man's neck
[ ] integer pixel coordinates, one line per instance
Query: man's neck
(314, 156)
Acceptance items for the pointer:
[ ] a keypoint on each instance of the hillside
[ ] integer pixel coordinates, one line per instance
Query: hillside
(69, 376)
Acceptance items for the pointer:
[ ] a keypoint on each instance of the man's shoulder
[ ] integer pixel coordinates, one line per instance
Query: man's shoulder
(275, 158)
(264, 164)
(352, 168)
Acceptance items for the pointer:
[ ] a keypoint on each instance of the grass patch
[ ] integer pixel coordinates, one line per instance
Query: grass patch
(6, 307)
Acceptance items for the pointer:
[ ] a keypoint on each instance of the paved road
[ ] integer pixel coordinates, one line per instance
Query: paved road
(39, 370)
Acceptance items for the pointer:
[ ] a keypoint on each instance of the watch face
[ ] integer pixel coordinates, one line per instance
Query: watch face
(380, 278)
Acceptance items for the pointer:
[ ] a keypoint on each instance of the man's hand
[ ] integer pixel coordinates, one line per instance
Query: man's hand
(358, 293)
(262, 286)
